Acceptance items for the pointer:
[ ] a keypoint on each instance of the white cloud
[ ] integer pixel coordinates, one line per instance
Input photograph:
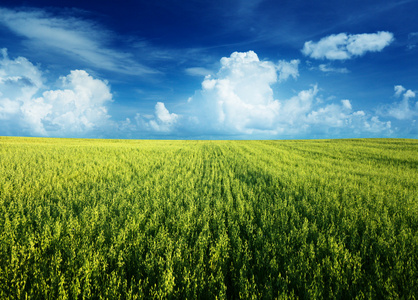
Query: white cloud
(346, 103)
(20, 80)
(374, 125)
(331, 115)
(239, 99)
(409, 94)
(304, 114)
(399, 89)
(341, 118)
(331, 47)
(402, 110)
(77, 107)
(287, 69)
(327, 69)
(197, 71)
(80, 39)
(295, 109)
(359, 44)
(345, 46)
(162, 121)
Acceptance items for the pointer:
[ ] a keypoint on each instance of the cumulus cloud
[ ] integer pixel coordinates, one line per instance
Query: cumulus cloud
(161, 122)
(19, 78)
(79, 106)
(236, 101)
(76, 107)
(239, 99)
(79, 39)
(341, 119)
(376, 126)
(303, 114)
(345, 46)
(164, 120)
(287, 69)
(331, 115)
(399, 89)
(404, 109)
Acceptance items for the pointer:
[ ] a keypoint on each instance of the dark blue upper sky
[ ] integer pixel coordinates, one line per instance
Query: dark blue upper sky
(209, 69)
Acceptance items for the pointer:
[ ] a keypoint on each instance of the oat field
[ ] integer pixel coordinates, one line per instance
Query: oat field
(149, 219)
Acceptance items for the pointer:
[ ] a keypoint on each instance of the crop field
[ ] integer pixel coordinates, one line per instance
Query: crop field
(138, 219)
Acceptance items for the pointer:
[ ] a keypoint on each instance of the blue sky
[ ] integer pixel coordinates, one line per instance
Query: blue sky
(196, 69)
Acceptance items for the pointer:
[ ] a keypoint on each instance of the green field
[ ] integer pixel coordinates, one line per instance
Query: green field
(90, 219)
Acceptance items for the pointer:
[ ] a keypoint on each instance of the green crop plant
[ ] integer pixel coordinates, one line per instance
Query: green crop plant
(141, 219)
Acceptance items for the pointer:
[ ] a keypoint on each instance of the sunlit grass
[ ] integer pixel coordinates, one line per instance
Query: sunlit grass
(206, 219)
